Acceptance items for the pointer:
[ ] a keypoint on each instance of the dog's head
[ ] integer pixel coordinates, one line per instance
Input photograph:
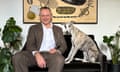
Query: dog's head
(68, 26)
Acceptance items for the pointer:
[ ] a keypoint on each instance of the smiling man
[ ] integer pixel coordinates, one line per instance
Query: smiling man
(45, 46)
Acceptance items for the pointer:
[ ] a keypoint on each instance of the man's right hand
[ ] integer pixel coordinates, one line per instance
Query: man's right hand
(40, 60)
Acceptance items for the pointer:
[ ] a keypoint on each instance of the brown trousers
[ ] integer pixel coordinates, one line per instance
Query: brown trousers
(24, 59)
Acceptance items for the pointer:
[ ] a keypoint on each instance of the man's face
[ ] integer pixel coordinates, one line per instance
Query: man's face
(45, 16)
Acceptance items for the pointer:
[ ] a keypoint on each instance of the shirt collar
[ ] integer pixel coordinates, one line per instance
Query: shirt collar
(45, 27)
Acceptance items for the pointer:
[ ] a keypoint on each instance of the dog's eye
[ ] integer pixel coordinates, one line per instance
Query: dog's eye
(64, 26)
(70, 25)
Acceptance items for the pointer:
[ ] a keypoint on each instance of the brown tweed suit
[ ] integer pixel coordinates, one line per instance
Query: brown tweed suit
(55, 62)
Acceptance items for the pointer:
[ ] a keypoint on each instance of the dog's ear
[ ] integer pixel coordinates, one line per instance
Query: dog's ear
(64, 24)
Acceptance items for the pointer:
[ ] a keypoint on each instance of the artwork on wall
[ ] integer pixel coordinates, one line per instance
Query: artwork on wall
(79, 11)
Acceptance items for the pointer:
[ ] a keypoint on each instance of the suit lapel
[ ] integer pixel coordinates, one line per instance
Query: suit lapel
(39, 35)
(55, 31)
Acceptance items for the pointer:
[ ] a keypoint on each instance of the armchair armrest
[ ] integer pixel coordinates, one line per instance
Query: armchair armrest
(102, 59)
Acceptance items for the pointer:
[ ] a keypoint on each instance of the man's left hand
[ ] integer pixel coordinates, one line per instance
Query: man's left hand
(52, 51)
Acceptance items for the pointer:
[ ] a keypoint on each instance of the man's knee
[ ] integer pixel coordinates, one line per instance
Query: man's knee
(59, 60)
(17, 58)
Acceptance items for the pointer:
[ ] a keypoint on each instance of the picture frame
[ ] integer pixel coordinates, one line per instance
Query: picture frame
(81, 11)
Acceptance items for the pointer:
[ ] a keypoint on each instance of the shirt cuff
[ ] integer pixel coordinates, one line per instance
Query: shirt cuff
(34, 52)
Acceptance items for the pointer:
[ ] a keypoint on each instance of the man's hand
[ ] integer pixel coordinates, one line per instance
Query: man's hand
(52, 51)
(40, 60)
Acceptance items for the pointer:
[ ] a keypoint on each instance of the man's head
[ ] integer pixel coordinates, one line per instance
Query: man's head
(45, 15)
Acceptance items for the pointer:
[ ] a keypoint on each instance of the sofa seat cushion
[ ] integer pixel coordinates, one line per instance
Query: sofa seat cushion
(81, 65)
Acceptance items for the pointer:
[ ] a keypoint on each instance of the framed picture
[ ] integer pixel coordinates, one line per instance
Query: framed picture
(79, 11)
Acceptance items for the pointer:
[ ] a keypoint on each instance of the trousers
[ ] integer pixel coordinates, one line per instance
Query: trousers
(22, 60)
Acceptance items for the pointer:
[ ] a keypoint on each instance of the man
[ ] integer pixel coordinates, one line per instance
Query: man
(45, 46)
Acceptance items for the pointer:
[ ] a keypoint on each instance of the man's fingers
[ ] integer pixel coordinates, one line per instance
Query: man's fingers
(43, 65)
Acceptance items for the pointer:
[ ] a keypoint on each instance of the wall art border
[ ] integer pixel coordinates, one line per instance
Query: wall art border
(79, 11)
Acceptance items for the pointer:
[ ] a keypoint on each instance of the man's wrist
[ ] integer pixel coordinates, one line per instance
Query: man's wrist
(36, 52)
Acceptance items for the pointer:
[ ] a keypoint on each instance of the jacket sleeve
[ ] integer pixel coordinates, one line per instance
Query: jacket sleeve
(61, 46)
(30, 44)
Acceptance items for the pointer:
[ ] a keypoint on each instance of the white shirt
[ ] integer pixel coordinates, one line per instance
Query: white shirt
(48, 41)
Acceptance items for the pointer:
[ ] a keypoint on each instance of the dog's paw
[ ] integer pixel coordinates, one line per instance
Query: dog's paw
(66, 59)
(78, 59)
(84, 60)
(67, 62)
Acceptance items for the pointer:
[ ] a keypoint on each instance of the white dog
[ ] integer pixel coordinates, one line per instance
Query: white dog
(81, 41)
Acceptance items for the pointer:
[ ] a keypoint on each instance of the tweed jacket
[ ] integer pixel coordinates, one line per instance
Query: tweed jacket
(35, 36)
